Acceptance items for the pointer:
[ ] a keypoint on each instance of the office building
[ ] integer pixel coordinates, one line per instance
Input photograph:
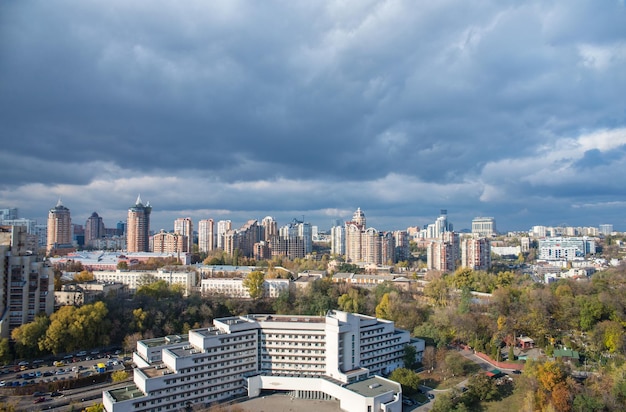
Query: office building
(206, 235)
(484, 226)
(138, 227)
(566, 248)
(59, 230)
(337, 356)
(184, 226)
(27, 282)
(8, 214)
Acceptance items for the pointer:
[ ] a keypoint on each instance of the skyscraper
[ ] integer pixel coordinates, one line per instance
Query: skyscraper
(223, 226)
(206, 235)
(59, 228)
(94, 228)
(184, 226)
(138, 227)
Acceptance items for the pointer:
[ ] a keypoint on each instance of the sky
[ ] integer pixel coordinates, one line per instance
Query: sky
(230, 109)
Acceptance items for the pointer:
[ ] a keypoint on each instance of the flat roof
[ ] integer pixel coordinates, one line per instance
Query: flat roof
(126, 393)
(287, 318)
(372, 387)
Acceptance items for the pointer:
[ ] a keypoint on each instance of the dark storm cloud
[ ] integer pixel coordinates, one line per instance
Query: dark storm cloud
(237, 106)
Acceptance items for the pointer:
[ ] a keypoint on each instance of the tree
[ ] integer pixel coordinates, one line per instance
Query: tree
(84, 276)
(384, 308)
(429, 357)
(98, 407)
(5, 351)
(481, 387)
(437, 290)
(119, 376)
(407, 378)
(409, 356)
(28, 336)
(254, 283)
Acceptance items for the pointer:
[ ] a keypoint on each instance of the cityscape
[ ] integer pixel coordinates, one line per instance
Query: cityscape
(323, 206)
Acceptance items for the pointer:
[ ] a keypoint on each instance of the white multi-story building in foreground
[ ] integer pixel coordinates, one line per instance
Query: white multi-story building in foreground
(337, 356)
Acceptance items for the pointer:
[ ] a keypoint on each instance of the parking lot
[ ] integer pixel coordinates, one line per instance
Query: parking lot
(73, 366)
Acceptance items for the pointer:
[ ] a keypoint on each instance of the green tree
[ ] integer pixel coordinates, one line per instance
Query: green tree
(410, 354)
(119, 376)
(352, 301)
(481, 387)
(84, 276)
(254, 283)
(383, 309)
(407, 378)
(5, 351)
(98, 407)
(28, 336)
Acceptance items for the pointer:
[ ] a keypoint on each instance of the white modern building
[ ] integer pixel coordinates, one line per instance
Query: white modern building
(337, 356)
(234, 288)
(566, 248)
(135, 278)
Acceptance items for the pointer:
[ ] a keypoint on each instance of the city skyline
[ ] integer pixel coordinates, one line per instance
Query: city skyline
(239, 110)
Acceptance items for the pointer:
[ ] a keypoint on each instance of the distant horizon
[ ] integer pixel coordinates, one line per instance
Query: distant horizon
(154, 227)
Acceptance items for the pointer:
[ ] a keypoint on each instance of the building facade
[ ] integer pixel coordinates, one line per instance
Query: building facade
(138, 227)
(320, 357)
(484, 226)
(476, 253)
(94, 229)
(59, 229)
(184, 226)
(27, 282)
(206, 235)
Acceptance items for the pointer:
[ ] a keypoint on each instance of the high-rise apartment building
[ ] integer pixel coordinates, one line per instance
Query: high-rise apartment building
(164, 242)
(206, 235)
(270, 228)
(338, 240)
(223, 226)
(94, 229)
(184, 226)
(138, 227)
(475, 253)
(59, 228)
(606, 229)
(26, 281)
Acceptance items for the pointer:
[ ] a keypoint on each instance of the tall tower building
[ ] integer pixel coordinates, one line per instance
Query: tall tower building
(206, 235)
(353, 238)
(59, 227)
(94, 228)
(138, 227)
(338, 240)
(270, 228)
(26, 281)
(184, 226)
(223, 226)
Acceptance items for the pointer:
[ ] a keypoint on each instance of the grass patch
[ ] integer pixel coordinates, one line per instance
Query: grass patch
(436, 380)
